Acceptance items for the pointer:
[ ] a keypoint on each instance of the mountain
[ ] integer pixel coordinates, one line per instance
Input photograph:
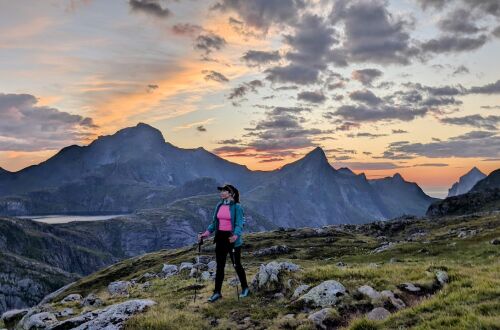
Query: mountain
(136, 168)
(310, 192)
(466, 182)
(484, 196)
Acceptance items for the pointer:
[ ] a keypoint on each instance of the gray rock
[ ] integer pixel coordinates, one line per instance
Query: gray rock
(321, 318)
(278, 296)
(442, 277)
(64, 313)
(384, 247)
(119, 288)
(91, 301)
(37, 321)
(324, 294)
(340, 264)
(233, 281)
(269, 276)
(74, 297)
(410, 287)
(146, 285)
(194, 272)
(185, 266)
(10, 318)
(396, 302)
(169, 270)
(204, 259)
(200, 266)
(370, 292)
(273, 250)
(300, 290)
(206, 275)
(212, 265)
(378, 314)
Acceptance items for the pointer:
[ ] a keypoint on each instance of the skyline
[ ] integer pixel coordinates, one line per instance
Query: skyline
(382, 86)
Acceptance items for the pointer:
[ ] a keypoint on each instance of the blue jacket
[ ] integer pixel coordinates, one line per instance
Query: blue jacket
(237, 220)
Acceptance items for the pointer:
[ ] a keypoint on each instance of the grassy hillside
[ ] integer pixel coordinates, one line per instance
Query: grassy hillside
(459, 245)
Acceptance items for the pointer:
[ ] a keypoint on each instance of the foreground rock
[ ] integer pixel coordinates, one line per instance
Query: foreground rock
(273, 250)
(10, 318)
(324, 295)
(327, 318)
(270, 276)
(119, 288)
(378, 314)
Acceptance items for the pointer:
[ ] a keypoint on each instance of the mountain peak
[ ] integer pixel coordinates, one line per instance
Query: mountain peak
(398, 176)
(142, 133)
(316, 154)
(475, 170)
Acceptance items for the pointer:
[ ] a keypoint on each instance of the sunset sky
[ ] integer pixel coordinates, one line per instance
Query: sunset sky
(408, 86)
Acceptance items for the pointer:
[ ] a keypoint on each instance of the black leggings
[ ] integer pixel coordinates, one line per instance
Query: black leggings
(222, 248)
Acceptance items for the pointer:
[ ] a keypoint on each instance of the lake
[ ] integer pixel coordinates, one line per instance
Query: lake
(62, 218)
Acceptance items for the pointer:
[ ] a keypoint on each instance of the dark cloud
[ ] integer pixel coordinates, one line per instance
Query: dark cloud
(362, 112)
(367, 165)
(372, 33)
(152, 87)
(24, 126)
(366, 134)
(287, 110)
(460, 70)
(491, 7)
(460, 21)
(256, 57)
(439, 4)
(496, 32)
(150, 7)
(313, 97)
(453, 44)
(399, 131)
(490, 107)
(272, 159)
(209, 42)
(215, 76)
(478, 121)
(262, 14)
(240, 91)
(186, 29)
(201, 128)
(431, 165)
(472, 144)
(337, 85)
(366, 97)
(366, 76)
(229, 141)
(297, 74)
(493, 88)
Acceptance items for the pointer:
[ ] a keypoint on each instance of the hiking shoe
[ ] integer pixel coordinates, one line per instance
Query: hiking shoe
(214, 297)
(244, 293)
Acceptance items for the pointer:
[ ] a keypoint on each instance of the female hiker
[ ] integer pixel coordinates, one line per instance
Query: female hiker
(227, 224)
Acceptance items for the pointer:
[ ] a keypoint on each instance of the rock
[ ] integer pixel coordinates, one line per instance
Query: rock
(383, 247)
(396, 302)
(212, 265)
(233, 281)
(410, 287)
(206, 275)
(300, 290)
(12, 317)
(327, 318)
(185, 266)
(324, 294)
(194, 272)
(169, 270)
(442, 277)
(91, 301)
(72, 298)
(394, 260)
(370, 292)
(378, 314)
(203, 259)
(340, 264)
(200, 266)
(373, 265)
(495, 241)
(65, 312)
(109, 318)
(269, 276)
(41, 320)
(278, 296)
(289, 316)
(119, 288)
(146, 285)
(273, 250)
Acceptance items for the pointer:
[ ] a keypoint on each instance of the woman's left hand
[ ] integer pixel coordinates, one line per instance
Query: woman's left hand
(233, 238)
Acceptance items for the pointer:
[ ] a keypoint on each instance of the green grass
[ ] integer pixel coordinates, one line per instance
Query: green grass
(470, 301)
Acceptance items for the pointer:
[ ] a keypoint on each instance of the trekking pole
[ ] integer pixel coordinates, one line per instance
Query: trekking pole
(200, 243)
(231, 254)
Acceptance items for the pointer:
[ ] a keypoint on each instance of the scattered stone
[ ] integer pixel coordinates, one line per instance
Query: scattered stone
(341, 264)
(200, 266)
(273, 250)
(495, 241)
(383, 247)
(203, 259)
(269, 276)
(396, 302)
(394, 260)
(185, 266)
(442, 277)
(194, 272)
(41, 320)
(212, 265)
(279, 296)
(91, 301)
(169, 270)
(146, 285)
(233, 281)
(378, 314)
(12, 317)
(467, 233)
(119, 288)
(300, 290)
(289, 316)
(327, 318)
(206, 275)
(373, 265)
(65, 312)
(370, 292)
(72, 298)
(410, 287)
(324, 294)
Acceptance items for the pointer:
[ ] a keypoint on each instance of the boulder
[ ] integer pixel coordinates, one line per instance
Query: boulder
(300, 290)
(12, 317)
(119, 288)
(442, 277)
(410, 287)
(64, 313)
(495, 241)
(185, 266)
(325, 294)
(212, 265)
(169, 270)
(370, 292)
(384, 247)
(327, 318)
(273, 250)
(396, 302)
(91, 301)
(204, 259)
(206, 275)
(270, 276)
(75, 297)
(378, 314)
(200, 266)
(41, 320)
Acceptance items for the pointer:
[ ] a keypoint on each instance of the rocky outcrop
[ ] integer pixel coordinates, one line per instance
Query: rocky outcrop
(325, 294)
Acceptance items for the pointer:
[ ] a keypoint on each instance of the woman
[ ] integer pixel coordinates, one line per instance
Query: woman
(227, 224)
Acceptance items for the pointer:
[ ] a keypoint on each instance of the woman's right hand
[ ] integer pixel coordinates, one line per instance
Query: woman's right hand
(205, 234)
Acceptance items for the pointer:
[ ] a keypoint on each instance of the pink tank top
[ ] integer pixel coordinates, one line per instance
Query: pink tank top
(224, 216)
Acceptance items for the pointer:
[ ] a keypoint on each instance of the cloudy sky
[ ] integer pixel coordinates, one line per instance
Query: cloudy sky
(407, 86)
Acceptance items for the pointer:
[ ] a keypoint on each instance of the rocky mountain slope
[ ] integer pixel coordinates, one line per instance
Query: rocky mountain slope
(136, 168)
(466, 182)
(411, 273)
